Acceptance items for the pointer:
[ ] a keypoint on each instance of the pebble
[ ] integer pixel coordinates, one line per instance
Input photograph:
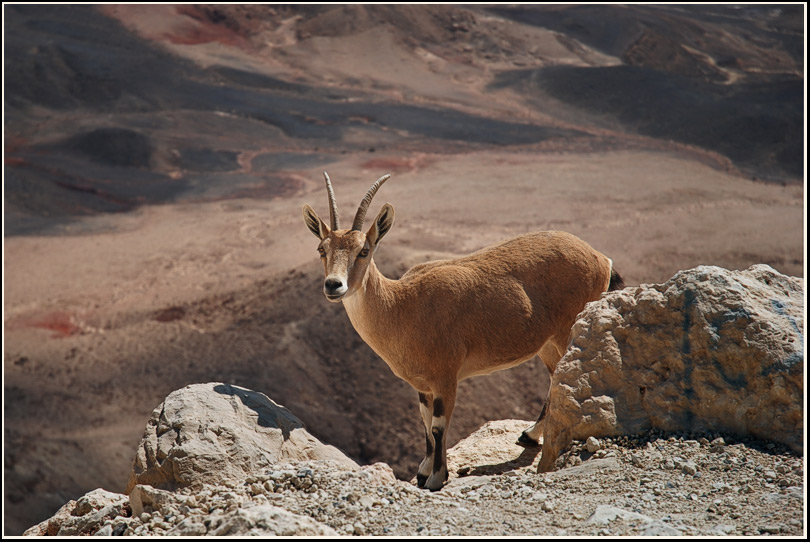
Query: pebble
(106, 530)
(352, 507)
(592, 444)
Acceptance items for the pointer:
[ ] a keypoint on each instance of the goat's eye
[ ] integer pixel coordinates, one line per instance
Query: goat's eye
(322, 252)
(363, 253)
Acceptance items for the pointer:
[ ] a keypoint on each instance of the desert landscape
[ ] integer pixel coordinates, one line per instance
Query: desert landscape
(156, 160)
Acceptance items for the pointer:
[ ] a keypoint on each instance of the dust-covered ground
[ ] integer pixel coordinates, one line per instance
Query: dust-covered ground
(157, 158)
(641, 485)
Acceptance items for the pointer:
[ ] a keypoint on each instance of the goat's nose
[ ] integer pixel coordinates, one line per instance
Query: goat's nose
(333, 286)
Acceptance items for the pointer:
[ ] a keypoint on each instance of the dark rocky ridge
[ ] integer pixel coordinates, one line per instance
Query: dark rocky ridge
(76, 61)
(73, 74)
(685, 76)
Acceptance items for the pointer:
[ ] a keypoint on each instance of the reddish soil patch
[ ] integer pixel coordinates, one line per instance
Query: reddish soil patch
(13, 161)
(209, 25)
(12, 146)
(170, 315)
(61, 322)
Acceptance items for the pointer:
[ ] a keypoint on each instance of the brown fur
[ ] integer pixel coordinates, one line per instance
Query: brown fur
(448, 320)
(474, 315)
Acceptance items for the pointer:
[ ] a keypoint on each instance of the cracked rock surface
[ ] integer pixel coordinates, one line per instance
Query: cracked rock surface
(708, 350)
(213, 433)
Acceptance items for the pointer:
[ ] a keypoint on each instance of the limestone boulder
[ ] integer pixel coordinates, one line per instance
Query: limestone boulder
(266, 520)
(147, 498)
(708, 350)
(490, 450)
(215, 433)
(605, 515)
(83, 516)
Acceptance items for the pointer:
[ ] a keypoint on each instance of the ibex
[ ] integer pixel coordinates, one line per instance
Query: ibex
(448, 320)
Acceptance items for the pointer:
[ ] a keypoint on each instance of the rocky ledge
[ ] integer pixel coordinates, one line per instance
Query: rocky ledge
(688, 455)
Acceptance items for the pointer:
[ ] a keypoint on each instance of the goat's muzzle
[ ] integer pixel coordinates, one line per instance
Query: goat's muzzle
(334, 288)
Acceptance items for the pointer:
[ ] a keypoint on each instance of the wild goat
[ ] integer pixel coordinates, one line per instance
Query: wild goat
(448, 320)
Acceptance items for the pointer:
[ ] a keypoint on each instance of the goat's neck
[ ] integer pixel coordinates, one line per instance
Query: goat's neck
(372, 306)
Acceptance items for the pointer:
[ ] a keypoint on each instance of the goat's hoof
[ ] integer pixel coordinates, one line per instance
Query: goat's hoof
(526, 441)
(436, 481)
(421, 479)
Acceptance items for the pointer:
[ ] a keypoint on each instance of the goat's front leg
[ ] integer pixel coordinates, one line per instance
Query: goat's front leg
(443, 402)
(426, 410)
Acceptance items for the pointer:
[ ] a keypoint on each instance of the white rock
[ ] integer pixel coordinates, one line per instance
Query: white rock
(491, 445)
(106, 530)
(191, 526)
(710, 349)
(269, 520)
(604, 515)
(147, 496)
(83, 516)
(217, 434)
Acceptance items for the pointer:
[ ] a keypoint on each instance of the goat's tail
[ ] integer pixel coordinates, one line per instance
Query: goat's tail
(616, 280)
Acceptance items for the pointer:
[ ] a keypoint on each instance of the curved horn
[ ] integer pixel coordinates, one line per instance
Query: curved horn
(333, 212)
(360, 217)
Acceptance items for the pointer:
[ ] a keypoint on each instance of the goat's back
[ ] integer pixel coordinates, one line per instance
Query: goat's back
(499, 305)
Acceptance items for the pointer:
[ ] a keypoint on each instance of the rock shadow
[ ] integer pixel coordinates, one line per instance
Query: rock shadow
(269, 414)
(526, 458)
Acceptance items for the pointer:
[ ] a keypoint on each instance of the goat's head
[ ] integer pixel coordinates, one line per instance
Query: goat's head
(346, 254)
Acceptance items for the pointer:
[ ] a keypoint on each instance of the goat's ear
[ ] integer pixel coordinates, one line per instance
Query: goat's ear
(314, 223)
(381, 224)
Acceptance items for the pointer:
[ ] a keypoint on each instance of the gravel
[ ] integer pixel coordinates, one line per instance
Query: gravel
(651, 484)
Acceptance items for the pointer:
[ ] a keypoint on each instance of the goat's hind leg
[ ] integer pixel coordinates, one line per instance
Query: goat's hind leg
(530, 438)
(550, 354)
(426, 466)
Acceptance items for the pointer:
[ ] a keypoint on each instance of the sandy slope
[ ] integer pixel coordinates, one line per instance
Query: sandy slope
(100, 327)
